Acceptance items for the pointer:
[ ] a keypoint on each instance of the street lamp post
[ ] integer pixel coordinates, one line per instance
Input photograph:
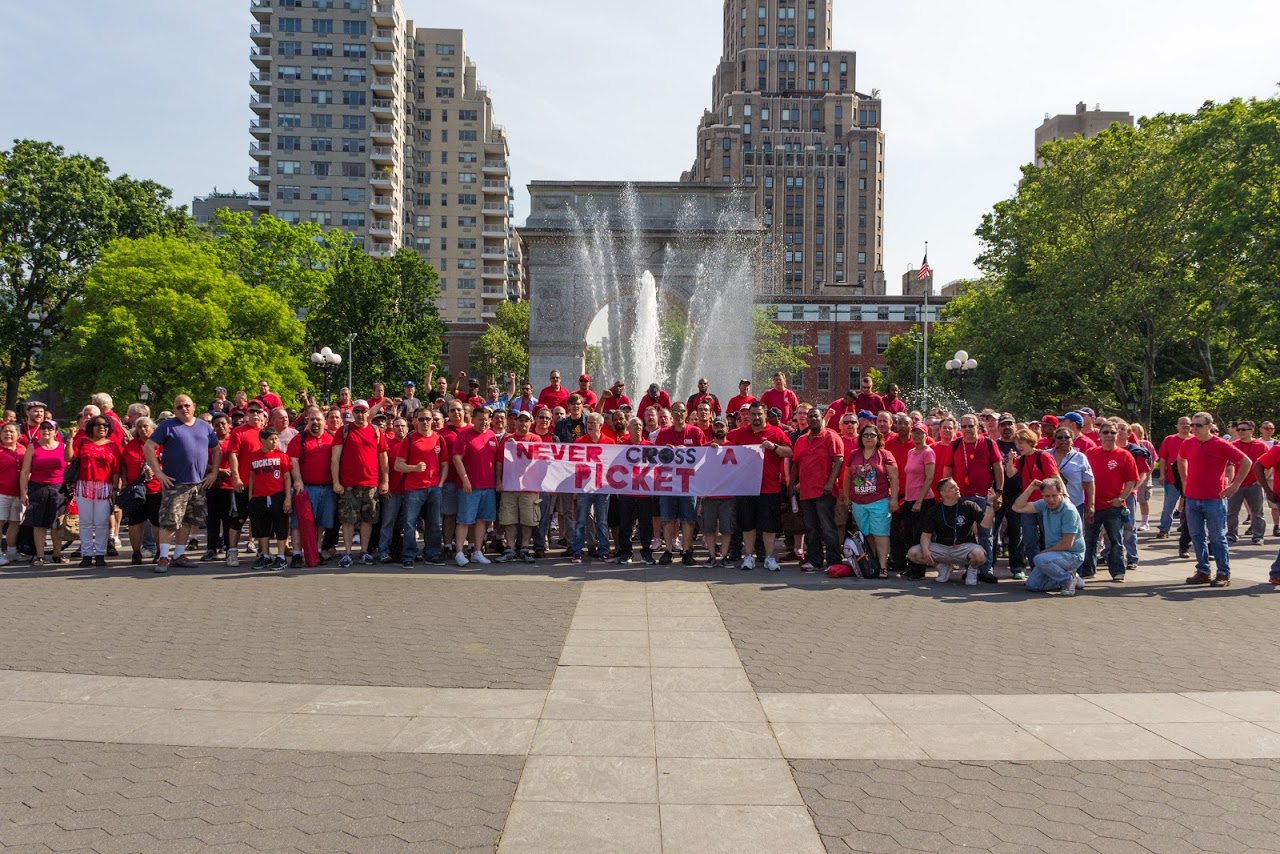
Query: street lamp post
(326, 360)
(961, 367)
(350, 338)
(145, 395)
(916, 339)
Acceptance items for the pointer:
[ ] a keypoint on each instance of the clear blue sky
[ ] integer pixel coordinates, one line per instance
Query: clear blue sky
(590, 89)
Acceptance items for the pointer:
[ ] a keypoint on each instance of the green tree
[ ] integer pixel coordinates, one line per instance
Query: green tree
(772, 352)
(504, 347)
(160, 310)
(58, 212)
(390, 303)
(294, 260)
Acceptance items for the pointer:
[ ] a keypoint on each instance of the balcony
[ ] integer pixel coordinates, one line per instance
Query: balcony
(383, 107)
(383, 155)
(495, 207)
(259, 128)
(380, 227)
(261, 9)
(498, 291)
(383, 180)
(260, 56)
(494, 253)
(384, 60)
(384, 13)
(384, 132)
(497, 167)
(260, 152)
(260, 176)
(492, 272)
(260, 105)
(260, 33)
(262, 200)
(491, 229)
(384, 86)
(499, 187)
(382, 204)
(384, 37)
(260, 81)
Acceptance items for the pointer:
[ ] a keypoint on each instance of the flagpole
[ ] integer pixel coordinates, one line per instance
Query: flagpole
(924, 360)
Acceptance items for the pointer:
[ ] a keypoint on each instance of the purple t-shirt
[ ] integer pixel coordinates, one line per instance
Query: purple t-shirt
(186, 448)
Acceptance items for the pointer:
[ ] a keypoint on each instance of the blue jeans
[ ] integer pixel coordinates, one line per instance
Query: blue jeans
(1275, 567)
(1171, 497)
(426, 503)
(544, 523)
(1050, 570)
(390, 515)
(600, 502)
(1030, 536)
(1110, 519)
(984, 534)
(1131, 529)
(1207, 523)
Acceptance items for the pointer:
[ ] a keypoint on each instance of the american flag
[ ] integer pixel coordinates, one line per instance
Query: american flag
(925, 270)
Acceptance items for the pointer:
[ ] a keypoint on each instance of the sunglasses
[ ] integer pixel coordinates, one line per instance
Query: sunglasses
(1062, 436)
(1106, 432)
(1199, 424)
(848, 422)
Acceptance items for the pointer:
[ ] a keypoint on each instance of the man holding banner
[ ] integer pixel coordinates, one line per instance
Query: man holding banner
(678, 508)
(597, 502)
(760, 512)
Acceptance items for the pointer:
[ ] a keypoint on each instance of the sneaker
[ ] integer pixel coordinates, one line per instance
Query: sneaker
(1118, 578)
(1079, 581)
(113, 548)
(406, 564)
(1162, 535)
(385, 557)
(1019, 575)
(296, 562)
(135, 559)
(988, 578)
(1220, 581)
(748, 563)
(263, 562)
(687, 559)
(1184, 554)
(1130, 565)
(460, 558)
(345, 561)
(577, 558)
(944, 573)
(526, 556)
(665, 560)
(507, 556)
(1275, 581)
(4, 560)
(1199, 578)
(1275, 530)
(86, 561)
(366, 559)
(771, 564)
(1069, 586)
(100, 561)
(1142, 528)
(716, 563)
(477, 556)
(655, 544)
(233, 557)
(182, 562)
(623, 560)
(971, 577)
(161, 567)
(539, 553)
(438, 560)
(193, 544)
(647, 559)
(209, 556)
(1257, 541)
(915, 572)
(281, 562)
(807, 566)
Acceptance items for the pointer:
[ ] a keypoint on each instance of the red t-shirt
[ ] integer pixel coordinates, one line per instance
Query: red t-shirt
(270, 401)
(360, 449)
(1169, 449)
(972, 465)
(243, 442)
(134, 458)
(1254, 451)
(375, 402)
(870, 401)
(478, 451)
(98, 463)
(588, 398)
(900, 449)
(896, 406)
(614, 401)
(224, 466)
(118, 434)
(1084, 444)
(551, 398)
(1036, 466)
(269, 469)
(815, 456)
(941, 461)
(835, 411)
(647, 401)
(690, 436)
(869, 477)
(784, 400)
(587, 440)
(431, 450)
(1207, 467)
(1271, 460)
(10, 469)
(740, 400)
(1111, 471)
(696, 400)
(771, 475)
(315, 460)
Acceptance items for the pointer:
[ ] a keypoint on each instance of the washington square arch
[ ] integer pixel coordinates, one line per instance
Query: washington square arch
(618, 260)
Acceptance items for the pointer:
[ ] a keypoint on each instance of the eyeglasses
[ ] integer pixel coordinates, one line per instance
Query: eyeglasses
(423, 420)
(1199, 424)
(1106, 432)
(192, 406)
(1062, 436)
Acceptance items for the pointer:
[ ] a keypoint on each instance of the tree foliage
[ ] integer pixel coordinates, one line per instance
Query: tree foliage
(294, 260)
(160, 310)
(58, 212)
(772, 351)
(504, 347)
(1138, 258)
(390, 303)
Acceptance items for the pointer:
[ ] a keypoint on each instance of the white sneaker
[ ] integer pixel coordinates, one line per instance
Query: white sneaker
(944, 573)
(478, 557)
(233, 557)
(1079, 582)
(655, 544)
(748, 562)
(460, 558)
(771, 564)
(4, 560)
(971, 577)
(1069, 586)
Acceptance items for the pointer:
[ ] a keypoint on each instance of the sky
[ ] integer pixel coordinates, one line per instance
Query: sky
(613, 89)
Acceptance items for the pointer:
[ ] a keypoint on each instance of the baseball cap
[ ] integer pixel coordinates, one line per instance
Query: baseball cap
(1051, 420)
(775, 412)
(48, 424)
(256, 404)
(360, 404)
(473, 382)
(740, 382)
(917, 426)
(1007, 419)
(1084, 410)
(525, 415)
(719, 419)
(408, 383)
(866, 415)
(1073, 417)
(585, 378)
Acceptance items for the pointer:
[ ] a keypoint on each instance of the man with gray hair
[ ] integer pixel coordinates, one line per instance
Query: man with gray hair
(597, 502)
(1202, 464)
(192, 455)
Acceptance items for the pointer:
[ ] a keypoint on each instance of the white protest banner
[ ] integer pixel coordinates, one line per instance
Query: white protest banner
(631, 469)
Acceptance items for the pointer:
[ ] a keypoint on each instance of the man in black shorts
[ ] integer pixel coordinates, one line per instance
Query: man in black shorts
(761, 512)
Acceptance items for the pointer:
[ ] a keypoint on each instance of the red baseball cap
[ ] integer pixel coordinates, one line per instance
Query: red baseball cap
(585, 378)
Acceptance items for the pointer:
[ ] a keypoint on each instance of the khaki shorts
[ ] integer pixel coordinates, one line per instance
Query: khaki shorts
(954, 555)
(519, 508)
(358, 505)
(182, 505)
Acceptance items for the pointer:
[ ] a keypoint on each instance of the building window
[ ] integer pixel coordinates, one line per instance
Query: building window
(353, 194)
(289, 96)
(320, 168)
(353, 170)
(353, 123)
(322, 48)
(882, 312)
(444, 91)
(289, 120)
(290, 194)
(322, 96)
(797, 339)
(289, 143)
(321, 25)
(321, 194)
(445, 71)
(882, 342)
(353, 99)
(289, 25)
(445, 50)
(322, 217)
(354, 51)
(321, 143)
(824, 346)
(321, 120)
(353, 220)
(466, 303)
(855, 377)
(855, 343)
(824, 378)
(354, 75)
(291, 217)
(353, 146)
(355, 28)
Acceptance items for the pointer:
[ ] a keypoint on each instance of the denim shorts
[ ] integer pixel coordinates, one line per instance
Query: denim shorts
(681, 508)
(324, 504)
(449, 499)
(872, 519)
(480, 505)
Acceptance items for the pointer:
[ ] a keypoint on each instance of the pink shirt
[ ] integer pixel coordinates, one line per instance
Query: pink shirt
(916, 461)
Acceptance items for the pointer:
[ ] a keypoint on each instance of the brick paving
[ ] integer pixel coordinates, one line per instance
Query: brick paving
(1058, 807)
(342, 630)
(128, 798)
(919, 637)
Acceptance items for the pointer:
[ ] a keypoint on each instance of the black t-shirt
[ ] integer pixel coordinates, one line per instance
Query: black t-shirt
(1012, 485)
(951, 526)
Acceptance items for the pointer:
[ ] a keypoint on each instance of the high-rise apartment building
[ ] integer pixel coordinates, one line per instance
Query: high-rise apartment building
(1083, 122)
(369, 124)
(788, 124)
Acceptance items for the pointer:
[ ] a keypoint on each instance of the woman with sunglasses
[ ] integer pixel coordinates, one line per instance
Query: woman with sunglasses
(1074, 469)
(40, 489)
(134, 460)
(99, 480)
(871, 487)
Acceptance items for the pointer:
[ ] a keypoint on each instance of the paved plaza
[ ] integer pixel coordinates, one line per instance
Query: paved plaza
(599, 708)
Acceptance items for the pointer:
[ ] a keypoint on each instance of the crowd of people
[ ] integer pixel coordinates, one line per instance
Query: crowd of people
(857, 486)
